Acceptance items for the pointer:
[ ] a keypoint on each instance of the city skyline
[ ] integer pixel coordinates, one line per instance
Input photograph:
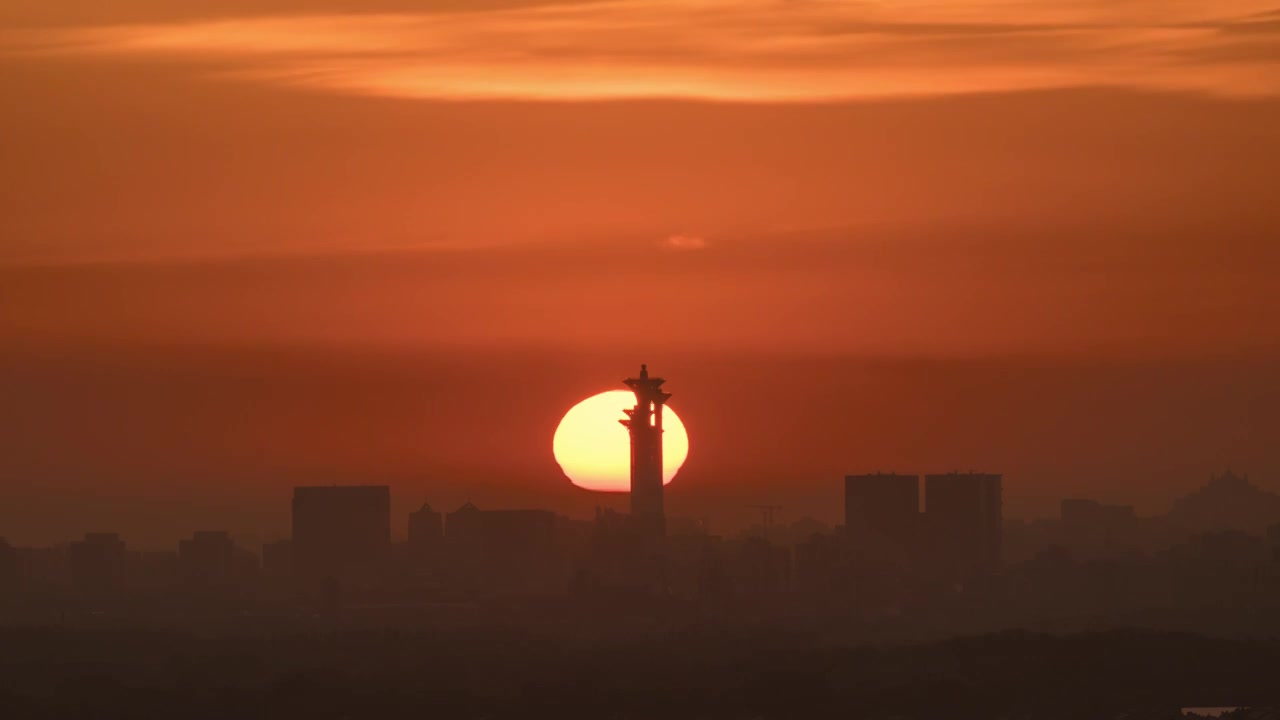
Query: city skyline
(910, 536)
(729, 359)
(220, 279)
(151, 427)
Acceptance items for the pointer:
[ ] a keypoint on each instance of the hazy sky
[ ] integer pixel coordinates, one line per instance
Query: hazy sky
(1069, 181)
(152, 129)
(744, 50)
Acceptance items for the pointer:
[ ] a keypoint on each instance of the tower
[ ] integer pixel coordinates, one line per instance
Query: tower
(644, 424)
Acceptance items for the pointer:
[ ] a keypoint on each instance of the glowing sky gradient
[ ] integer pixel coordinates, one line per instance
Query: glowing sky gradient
(726, 50)
(911, 176)
(248, 244)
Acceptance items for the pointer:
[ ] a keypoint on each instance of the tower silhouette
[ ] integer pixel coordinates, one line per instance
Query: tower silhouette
(644, 424)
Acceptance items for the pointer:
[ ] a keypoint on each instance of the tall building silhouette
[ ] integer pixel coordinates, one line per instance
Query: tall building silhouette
(341, 531)
(885, 506)
(426, 530)
(644, 424)
(964, 515)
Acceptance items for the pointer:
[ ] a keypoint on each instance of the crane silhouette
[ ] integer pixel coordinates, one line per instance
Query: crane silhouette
(767, 514)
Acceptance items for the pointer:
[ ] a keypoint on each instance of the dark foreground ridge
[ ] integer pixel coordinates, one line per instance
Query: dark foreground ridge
(54, 673)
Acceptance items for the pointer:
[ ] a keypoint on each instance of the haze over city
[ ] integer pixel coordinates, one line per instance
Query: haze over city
(1043, 232)
(1018, 256)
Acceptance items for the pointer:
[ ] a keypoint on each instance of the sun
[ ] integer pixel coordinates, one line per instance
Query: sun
(594, 450)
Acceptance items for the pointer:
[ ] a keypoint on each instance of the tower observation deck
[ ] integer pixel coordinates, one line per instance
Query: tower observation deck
(644, 423)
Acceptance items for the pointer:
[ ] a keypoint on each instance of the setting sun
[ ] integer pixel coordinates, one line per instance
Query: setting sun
(593, 449)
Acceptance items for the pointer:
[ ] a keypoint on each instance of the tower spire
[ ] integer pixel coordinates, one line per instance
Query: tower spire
(644, 424)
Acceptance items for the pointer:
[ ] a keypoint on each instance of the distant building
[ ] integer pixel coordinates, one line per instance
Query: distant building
(8, 564)
(1227, 502)
(208, 554)
(755, 567)
(1092, 529)
(1273, 540)
(883, 505)
(504, 532)
(678, 526)
(98, 561)
(426, 531)
(43, 567)
(341, 531)
(277, 559)
(211, 558)
(1080, 512)
(817, 564)
(508, 550)
(964, 519)
(151, 571)
(623, 555)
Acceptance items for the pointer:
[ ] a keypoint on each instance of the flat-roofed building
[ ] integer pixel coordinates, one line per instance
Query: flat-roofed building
(964, 518)
(511, 550)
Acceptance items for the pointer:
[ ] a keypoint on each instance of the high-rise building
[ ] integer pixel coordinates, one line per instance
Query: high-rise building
(882, 507)
(644, 424)
(426, 531)
(964, 516)
(341, 531)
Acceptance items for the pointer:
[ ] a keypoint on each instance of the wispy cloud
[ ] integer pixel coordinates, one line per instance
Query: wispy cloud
(685, 242)
(730, 50)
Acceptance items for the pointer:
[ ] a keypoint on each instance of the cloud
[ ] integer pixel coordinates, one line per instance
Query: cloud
(722, 50)
(685, 242)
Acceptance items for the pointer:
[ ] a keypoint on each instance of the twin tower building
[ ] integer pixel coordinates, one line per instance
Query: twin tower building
(960, 529)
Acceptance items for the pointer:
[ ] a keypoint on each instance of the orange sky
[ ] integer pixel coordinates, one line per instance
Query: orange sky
(1070, 181)
(744, 50)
